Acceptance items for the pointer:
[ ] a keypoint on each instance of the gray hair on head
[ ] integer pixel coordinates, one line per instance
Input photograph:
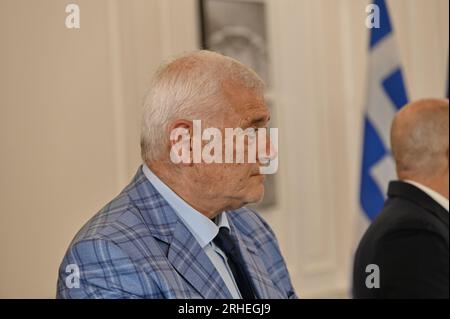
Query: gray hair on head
(188, 87)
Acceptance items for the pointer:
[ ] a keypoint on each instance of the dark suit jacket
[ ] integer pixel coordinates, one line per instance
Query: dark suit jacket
(409, 242)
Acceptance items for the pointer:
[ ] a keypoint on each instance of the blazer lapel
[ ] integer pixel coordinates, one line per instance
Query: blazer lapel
(192, 263)
(265, 288)
(184, 252)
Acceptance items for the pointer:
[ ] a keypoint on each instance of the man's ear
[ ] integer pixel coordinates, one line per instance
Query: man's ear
(181, 125)
(180, 141)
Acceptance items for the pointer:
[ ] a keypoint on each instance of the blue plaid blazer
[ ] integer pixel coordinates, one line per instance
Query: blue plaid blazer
(137, 247)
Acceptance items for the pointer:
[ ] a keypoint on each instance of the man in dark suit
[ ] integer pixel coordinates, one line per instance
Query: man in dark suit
(405, 251)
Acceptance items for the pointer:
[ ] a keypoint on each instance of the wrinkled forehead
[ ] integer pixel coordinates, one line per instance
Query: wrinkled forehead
(245, 106)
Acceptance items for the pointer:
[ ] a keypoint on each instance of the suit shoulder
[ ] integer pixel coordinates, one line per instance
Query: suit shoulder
(400, 219)
(119, 212)
(402, 215)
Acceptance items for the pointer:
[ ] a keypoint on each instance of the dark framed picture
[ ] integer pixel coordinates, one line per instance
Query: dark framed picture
(237, 28)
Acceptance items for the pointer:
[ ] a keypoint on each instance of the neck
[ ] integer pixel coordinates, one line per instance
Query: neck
(178, 181)
(437, 184)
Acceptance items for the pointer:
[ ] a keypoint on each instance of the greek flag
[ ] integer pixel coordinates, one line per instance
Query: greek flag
(386, 95)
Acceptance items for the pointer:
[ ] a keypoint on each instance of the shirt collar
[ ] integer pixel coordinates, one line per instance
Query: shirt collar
(202, 228)
(441, 200)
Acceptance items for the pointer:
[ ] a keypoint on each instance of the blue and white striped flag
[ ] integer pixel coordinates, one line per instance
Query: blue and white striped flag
(386, 95)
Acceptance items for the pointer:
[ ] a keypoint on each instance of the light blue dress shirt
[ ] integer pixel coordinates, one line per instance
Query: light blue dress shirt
(202, 228)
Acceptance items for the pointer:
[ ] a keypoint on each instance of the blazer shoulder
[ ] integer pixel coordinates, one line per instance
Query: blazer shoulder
(411, 206)
(401, 214)
(118, 213)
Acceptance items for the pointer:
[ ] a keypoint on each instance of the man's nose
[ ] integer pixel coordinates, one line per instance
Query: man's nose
(273, 149)
(269, 151)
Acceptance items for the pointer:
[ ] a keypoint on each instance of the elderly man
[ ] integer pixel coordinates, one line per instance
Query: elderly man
(181, 229)
(405, 252)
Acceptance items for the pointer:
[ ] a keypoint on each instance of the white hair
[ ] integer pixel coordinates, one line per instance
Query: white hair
(188, 87)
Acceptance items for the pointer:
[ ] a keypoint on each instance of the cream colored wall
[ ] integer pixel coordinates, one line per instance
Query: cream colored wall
(70, 105)
(69, 120)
